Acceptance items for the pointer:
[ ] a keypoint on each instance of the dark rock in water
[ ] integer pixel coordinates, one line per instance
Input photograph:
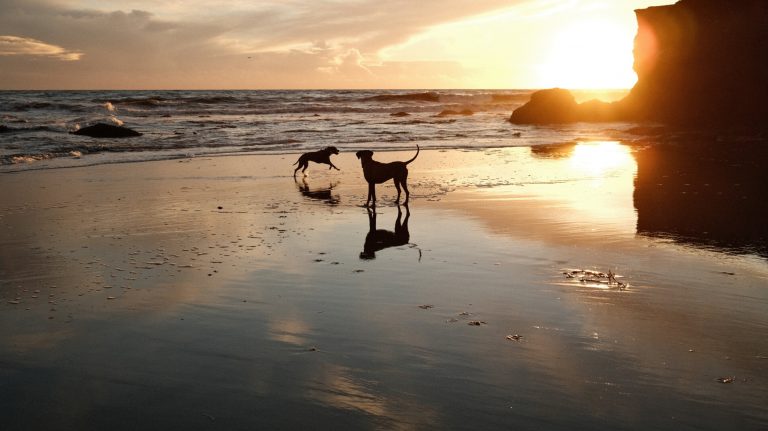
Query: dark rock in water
(4, 128)
(400, 114)
(101, 130)
(596, 110)
(447, 112)
(698, 62)
(559, 106)
(547, 106)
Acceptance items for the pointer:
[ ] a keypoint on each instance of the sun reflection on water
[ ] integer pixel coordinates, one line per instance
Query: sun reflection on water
(601, 157)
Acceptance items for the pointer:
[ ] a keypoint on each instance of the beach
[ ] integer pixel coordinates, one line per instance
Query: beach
(521, 288)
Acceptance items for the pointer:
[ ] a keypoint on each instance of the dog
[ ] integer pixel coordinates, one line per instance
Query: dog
(321, 156)
(377, 173)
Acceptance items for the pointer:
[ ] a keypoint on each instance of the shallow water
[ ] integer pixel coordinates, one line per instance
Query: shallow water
(262, 313)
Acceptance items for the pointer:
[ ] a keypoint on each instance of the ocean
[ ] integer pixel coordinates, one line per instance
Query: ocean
(36, 126)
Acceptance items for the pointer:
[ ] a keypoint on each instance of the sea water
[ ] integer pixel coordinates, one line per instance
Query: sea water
(36, 126)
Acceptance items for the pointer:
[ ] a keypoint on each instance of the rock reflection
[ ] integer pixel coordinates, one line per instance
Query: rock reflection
(704, 194)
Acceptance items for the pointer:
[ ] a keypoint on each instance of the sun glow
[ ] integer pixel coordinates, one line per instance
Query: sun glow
(590, 54)
(600, 158)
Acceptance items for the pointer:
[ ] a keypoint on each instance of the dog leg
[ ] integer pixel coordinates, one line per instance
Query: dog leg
(407, 194)
(333, 166)
(371, 194)
(397, 186)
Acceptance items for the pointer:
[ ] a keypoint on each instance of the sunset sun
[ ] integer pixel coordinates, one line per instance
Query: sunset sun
(589, 54)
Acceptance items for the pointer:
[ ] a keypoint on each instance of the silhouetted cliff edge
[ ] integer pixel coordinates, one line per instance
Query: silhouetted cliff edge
(699, 62)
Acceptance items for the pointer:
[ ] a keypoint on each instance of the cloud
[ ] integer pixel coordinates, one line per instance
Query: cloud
(226, 44)
(14, 45)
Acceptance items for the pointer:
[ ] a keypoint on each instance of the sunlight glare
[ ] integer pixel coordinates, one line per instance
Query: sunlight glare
(600, 158)
(590, 54)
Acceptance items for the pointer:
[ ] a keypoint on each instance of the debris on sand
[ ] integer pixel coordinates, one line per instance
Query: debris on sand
(728, 379)
(586, 276)
(476, 323)
(426, 306)
(515, 337)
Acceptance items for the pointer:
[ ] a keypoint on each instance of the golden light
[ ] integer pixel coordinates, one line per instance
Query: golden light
(591, 53)
(600, 158)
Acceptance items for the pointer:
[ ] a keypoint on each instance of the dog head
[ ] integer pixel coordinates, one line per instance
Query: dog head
(364, 154)
(332, 150)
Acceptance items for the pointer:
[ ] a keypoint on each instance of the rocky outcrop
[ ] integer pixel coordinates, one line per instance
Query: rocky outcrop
(547, 106)
(559, 106)
(699, 62)
(101, 130)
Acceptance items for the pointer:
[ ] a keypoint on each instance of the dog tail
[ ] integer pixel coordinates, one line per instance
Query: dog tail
(414, 157)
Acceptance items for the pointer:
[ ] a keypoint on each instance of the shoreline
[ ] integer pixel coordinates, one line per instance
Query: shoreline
(148, 305)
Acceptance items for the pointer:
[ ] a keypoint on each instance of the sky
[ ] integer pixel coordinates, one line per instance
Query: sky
(317, 44)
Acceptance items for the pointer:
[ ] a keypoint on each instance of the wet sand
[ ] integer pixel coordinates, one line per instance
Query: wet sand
(219, 293)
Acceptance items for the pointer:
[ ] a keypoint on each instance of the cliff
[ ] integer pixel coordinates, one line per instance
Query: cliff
(699, 62)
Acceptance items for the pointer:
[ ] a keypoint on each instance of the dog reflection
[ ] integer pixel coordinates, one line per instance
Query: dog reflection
(379, 239)
(319, 194)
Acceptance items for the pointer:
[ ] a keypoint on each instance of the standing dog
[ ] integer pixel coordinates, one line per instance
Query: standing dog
(377, 173)
(322, 156)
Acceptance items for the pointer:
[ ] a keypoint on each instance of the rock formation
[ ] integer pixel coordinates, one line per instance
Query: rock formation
(699, 62)
(101, 130)
(559, 106)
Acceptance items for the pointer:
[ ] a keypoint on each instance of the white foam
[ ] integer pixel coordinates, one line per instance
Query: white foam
(115, 120)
